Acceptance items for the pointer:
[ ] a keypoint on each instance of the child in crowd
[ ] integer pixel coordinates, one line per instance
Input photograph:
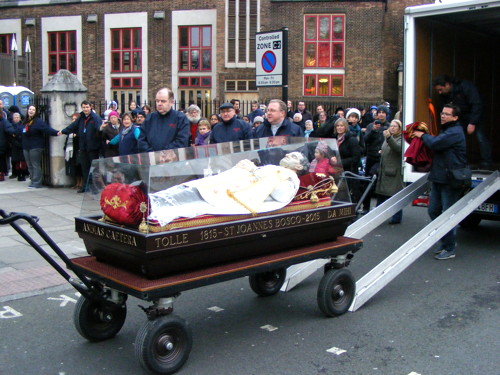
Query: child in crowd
(309, 128)
(257, 121)
(353, 117)
(321, 160)
(203, 136)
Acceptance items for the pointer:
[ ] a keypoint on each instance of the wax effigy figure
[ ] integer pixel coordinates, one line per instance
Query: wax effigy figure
(243, 189)
(247, 189)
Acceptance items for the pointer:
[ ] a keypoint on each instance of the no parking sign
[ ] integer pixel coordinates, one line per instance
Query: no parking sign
(269, 58)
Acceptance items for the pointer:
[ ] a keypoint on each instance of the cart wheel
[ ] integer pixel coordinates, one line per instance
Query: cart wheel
(162, 345)
(336, 291)
(268, 283)
(98, 321)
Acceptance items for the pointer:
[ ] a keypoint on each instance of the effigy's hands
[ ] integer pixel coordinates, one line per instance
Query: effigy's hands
(246, 164)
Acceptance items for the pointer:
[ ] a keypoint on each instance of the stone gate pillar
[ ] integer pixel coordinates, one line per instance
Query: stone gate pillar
(65, 93)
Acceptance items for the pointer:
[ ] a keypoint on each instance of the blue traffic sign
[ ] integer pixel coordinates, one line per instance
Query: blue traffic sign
(268, 61)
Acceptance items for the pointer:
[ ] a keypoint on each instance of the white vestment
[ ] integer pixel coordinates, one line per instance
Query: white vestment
(243, 189)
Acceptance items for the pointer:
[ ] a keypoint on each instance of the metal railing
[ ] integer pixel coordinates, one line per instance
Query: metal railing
(212, 106)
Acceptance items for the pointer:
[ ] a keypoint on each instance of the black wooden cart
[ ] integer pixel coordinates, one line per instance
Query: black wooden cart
(163, 343)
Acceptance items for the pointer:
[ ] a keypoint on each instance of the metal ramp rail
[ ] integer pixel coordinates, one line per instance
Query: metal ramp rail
(364, 225)
(399, 260)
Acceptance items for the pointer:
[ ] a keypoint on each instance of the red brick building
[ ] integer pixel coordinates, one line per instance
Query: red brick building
(205, 49)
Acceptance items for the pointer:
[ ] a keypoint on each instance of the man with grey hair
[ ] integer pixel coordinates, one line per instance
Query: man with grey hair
(276, 122)
(230, 128)
(193, 114)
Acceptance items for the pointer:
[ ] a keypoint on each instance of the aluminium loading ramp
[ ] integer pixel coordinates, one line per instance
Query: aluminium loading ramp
(360, 228)
(400, 259)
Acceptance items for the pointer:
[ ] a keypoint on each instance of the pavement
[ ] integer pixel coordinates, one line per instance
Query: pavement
(23, 272)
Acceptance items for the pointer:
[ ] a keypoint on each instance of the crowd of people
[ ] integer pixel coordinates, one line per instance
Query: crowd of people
(369, 142)
(90, 135)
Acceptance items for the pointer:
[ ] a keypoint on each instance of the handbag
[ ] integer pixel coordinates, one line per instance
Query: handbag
(460, 178)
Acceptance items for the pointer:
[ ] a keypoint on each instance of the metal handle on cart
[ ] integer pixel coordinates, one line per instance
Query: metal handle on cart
(83, 285)
(14, 216)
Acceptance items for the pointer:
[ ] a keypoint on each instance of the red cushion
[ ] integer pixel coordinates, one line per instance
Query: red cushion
(319, 182)
(125, 204)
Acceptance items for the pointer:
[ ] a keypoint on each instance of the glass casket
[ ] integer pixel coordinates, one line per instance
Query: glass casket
(167, 212)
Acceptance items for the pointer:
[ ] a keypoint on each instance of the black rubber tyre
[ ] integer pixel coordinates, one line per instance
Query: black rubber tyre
(269, 283)
(471, 221)
(336, 292)
(162, 345)
(98, 321)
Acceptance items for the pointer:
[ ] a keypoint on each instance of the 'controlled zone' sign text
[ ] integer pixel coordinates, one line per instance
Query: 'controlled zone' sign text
(269, 58)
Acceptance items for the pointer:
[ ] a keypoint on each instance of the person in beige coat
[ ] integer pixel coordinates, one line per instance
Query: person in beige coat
(390, 178)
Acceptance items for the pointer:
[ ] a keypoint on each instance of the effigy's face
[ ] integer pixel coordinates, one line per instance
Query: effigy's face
(293, 161)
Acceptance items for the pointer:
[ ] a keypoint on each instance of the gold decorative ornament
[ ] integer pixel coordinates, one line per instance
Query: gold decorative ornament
(143, 226)
(116, 202)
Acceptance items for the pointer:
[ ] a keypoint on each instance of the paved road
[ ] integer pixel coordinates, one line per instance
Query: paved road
(437, 318)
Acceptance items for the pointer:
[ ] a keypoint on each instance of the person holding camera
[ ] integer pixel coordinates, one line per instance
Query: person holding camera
(374, 139)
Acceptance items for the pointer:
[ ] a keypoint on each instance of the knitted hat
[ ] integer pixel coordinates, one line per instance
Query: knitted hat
(258, 119)
(113, 113)
(353, 111)
(383, 108)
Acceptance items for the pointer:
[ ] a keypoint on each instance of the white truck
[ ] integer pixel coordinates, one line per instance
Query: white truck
(461, 39)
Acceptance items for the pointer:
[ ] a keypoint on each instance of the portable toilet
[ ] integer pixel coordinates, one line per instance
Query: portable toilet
(24, 98)
(7, 97)
(17, 95)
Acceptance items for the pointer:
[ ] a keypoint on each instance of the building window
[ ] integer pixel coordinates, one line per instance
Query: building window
(324, 61)
(324, 41)
(5, 43)
(195, 48)
(126, 82)
(62, 51)
(126, 50)
(323, 85)
(242, 22)
(195, 81)
(241, 85)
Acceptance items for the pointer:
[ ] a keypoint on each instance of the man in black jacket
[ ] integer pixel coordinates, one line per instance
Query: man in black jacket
(87, 127)
(449, 153)
(465, 95)
(276, 122)
(165, 128)
(231, 128)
